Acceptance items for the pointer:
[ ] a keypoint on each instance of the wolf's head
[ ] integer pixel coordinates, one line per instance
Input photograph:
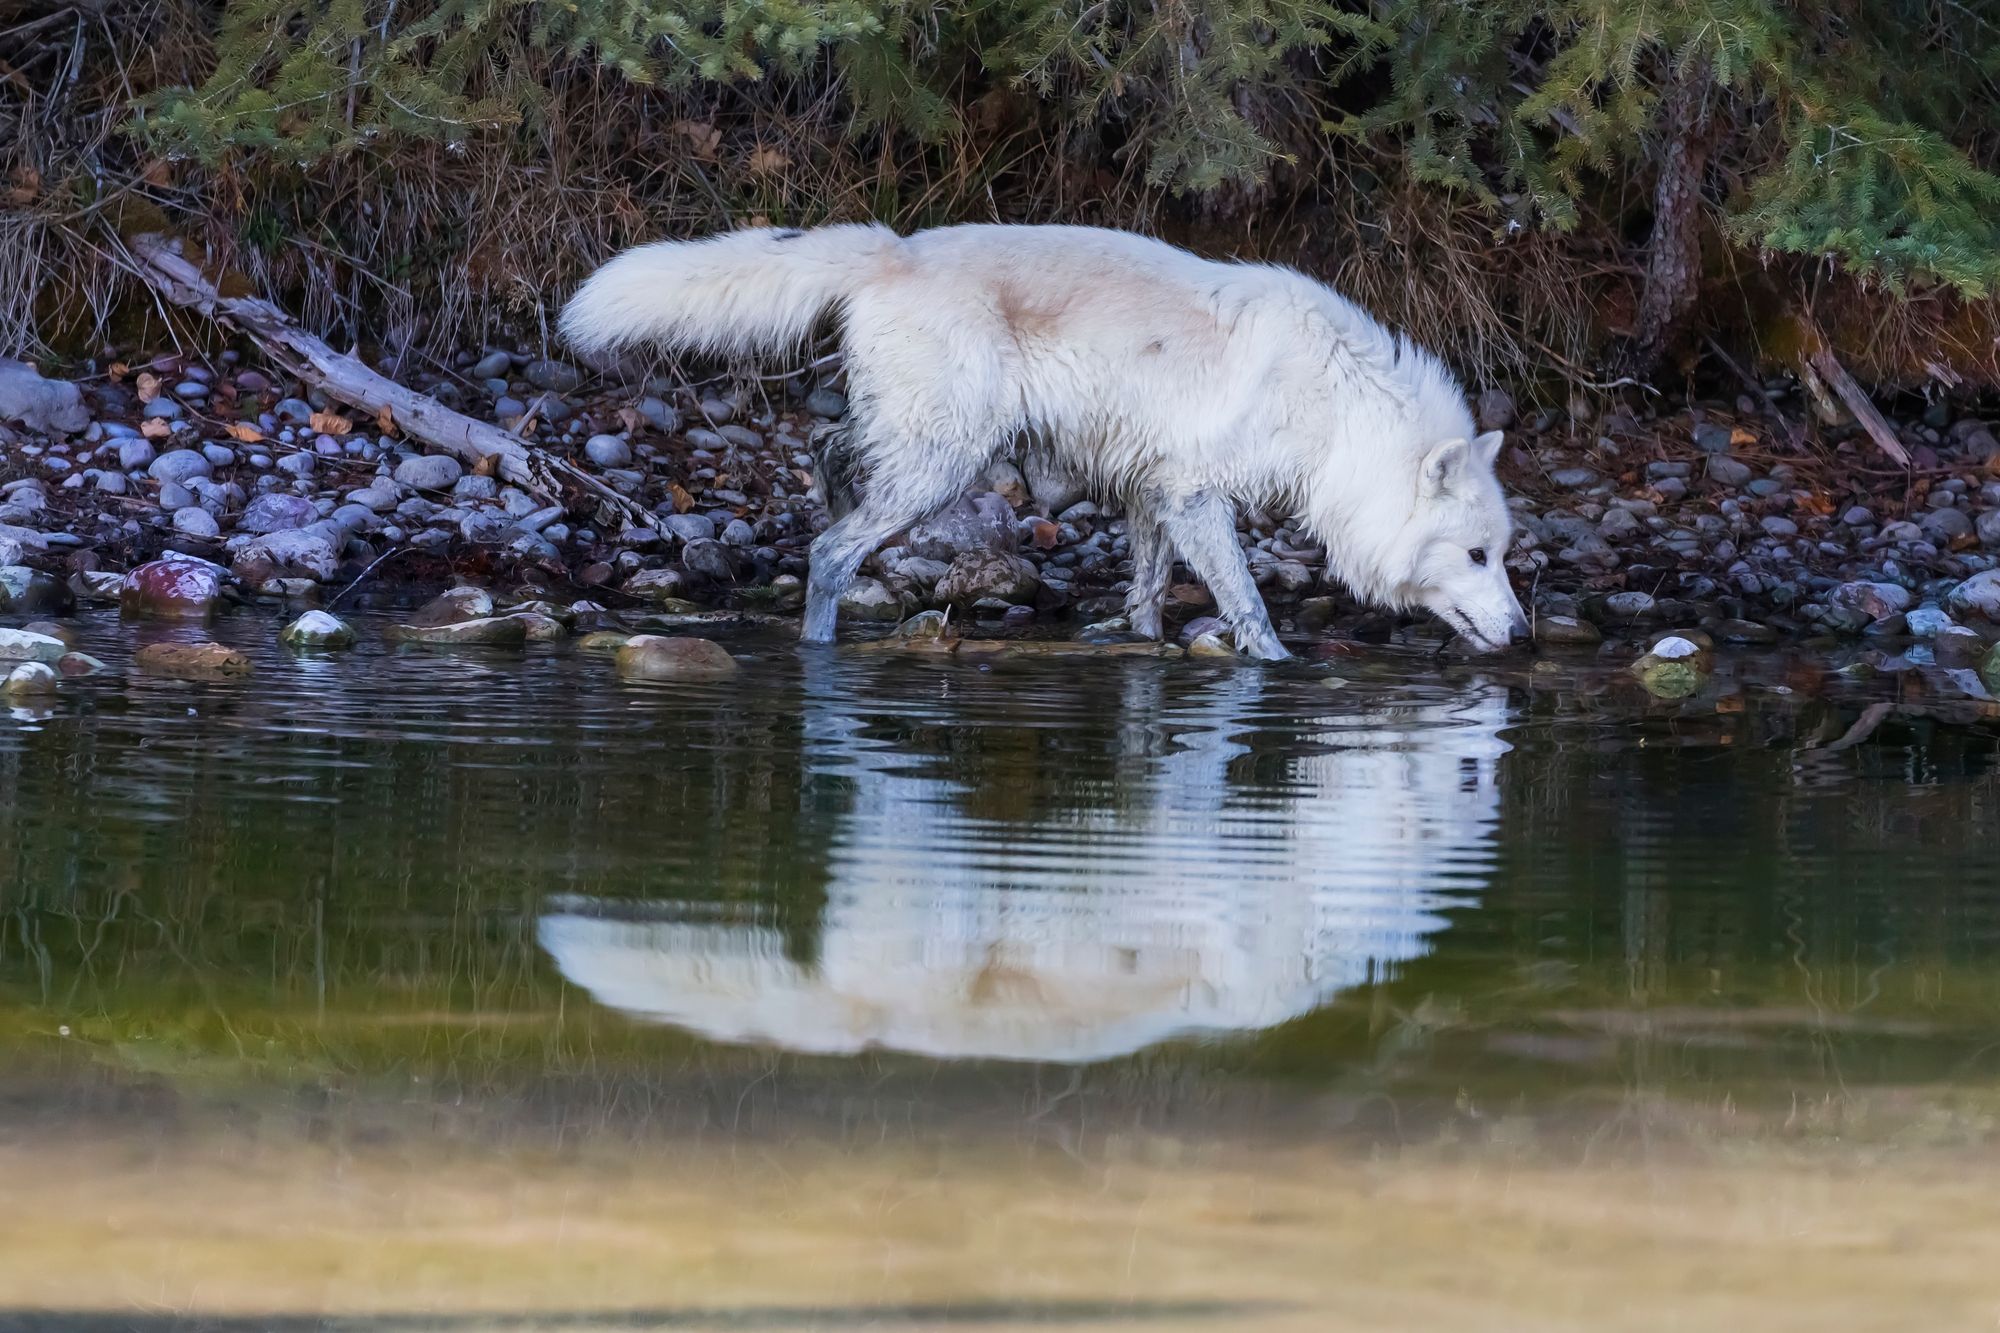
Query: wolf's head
(1435, 537)
(1451, 555)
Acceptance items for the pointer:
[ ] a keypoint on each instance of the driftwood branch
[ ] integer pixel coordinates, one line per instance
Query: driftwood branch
(348, 379)
(1821, 372)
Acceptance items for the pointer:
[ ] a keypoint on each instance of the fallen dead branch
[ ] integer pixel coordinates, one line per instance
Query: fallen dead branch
(1821, 372)
(348, 379)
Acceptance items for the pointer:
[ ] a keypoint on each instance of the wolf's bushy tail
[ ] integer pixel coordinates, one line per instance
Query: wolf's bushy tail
(738, 292)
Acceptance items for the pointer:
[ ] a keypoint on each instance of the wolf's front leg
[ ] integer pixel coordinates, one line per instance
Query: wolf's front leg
(1152, 565)
(1204, 528)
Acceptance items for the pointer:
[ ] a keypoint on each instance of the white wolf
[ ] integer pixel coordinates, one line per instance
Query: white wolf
(1178, 386)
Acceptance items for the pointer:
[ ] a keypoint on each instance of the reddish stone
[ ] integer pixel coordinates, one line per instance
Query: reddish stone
(176, 588)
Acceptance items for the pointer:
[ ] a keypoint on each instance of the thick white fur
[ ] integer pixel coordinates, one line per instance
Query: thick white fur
(1177, 385)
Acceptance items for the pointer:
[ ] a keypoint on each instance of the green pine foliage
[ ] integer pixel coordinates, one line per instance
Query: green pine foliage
(1859, 131)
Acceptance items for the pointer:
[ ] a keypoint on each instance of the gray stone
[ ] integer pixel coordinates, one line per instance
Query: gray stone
(488, 527)
(1777, 525)
(489, 632)
(317, 629)
(688, 527)
(135, 455)
(1945, 526)
(195, 521)
(429, 472)
(1573, 478)
(608, 451)
(30, 680)
(982, 521)
(21, 645)
(739, 533)
(1977, 596)
(1927, 622)
(555, 376)
(1711, 438)
(826, 403)
(1629, 605)
(290, 552)
(977, 574)
(709, 559)
(180, 466)
(657, 585)
(492, 366)
(660, 414)
(870, 600)
(277, 512)
(218, 455)
(1726, 471)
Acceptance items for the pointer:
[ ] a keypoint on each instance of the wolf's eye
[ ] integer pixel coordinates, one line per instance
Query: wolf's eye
(1478, 554)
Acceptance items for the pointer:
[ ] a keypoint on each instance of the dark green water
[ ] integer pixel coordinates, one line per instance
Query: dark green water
(1222, 899)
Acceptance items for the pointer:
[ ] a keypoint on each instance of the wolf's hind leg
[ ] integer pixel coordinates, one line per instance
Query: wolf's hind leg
(1152, 565)
(1204, 528)
(892, 503)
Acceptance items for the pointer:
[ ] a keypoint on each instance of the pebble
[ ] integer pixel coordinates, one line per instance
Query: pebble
(556, 376)
(491, 632)
(1725, 471)
(868, 599)
(24, 645)
(173, 588)
(277, 512)
(318, 629)
(192, 661)
(1712, 438)
(428, 472)
(608, 451)
(652, 657)
(29, 680)
(194, 521)
(179, 466)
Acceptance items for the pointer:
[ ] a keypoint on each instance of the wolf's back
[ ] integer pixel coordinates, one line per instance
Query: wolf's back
(731, 293)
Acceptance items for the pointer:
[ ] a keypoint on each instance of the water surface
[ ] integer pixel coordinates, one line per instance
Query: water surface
(410, 989)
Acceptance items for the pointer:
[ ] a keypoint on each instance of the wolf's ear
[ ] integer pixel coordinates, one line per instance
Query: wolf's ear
(1486, 448)
(1443, 467)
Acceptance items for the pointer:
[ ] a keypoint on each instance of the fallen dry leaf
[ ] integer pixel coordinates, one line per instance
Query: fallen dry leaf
(27, 187)
(682, 500)
(703, 139)
(629, 418)
(488, 466)
(242, 431)
(1738, 435)
(331, 423)
(155, 428)
(385, 420)
(149, 386)
(766, 161)
(118, 371)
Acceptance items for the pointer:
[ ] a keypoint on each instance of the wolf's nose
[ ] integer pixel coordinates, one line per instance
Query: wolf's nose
(1518, 631)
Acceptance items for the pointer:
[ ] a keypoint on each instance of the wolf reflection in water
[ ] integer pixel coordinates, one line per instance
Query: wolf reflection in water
(1180, 904)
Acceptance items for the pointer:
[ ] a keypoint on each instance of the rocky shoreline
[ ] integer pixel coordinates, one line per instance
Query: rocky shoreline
(1709, 519)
